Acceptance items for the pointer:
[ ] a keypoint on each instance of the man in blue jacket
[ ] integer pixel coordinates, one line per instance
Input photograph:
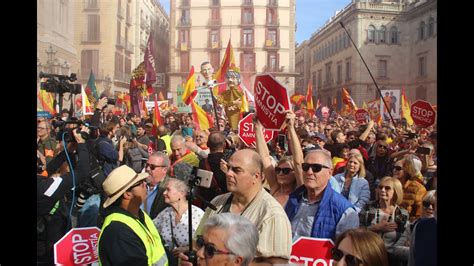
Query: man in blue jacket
(315, 209)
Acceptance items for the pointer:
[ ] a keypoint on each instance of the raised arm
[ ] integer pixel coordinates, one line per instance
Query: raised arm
(295, 147)
(262, 149)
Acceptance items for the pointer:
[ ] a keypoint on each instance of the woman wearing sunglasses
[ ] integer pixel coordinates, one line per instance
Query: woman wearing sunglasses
(357, 247)
(385, 217)
(407, 171)
(285, 177)
(352, 183)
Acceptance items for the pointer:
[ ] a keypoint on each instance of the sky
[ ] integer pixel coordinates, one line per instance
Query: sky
(310, 15)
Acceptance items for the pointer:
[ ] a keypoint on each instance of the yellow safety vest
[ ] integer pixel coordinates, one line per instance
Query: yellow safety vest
(167, 140)
(149, 236)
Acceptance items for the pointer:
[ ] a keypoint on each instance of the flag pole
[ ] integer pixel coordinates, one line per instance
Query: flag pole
(370, 73)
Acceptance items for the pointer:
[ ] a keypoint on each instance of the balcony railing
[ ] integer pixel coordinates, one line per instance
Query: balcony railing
(90, 38)
(214, 22)
(91, 5)
(184, 22)
(214, 44)
(380, 6)
(184, 3)
(272, 2)
(247, 3)
(272, 22)
(271, 44)
(183, 46)
(246, 45)
(247, 22)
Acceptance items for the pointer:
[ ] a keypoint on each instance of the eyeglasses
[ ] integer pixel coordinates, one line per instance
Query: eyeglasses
(350, 260)
(284, 170)
(209, 249)
(139, 183)
(387, 188)
(382, 147)
(427, 204)
(315, 167)
(153, 166)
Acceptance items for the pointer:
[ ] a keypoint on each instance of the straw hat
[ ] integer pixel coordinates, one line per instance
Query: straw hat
(118, 181)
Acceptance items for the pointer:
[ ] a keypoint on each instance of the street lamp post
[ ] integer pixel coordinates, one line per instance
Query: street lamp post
(51, 60)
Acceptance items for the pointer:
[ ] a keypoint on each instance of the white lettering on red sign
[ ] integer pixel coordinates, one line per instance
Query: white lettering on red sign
(268, 103)
(80, 249)
(422, 114)
(307, 261)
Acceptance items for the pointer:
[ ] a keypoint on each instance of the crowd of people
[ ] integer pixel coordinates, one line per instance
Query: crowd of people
(368, 187)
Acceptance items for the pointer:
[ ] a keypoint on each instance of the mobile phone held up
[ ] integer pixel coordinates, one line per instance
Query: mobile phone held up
(282, 141)
(423, 150)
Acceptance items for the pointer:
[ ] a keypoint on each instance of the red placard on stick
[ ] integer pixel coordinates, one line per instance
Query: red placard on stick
(423, 113)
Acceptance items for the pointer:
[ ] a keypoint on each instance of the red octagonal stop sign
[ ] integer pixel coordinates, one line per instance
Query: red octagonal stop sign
(423, 113)
(312, 251)
(247, 131)
(77, 247)
(271, 101)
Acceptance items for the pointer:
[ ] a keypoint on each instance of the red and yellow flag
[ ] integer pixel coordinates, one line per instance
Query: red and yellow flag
(156, 119)
(309, 99)
(227, 62)
(373, 107)
(47, 101)
(406, 111)
(200, 117)
(190, 88)
(86, 105)
(296, 99)
(349, 104)
(128, 103)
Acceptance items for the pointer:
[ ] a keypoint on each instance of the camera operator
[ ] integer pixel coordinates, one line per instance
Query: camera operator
(51, 191)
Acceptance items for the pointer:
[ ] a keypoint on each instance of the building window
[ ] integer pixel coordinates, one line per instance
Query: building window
(345, 40)
(248, 38)
(421, 93)
(371, 34)
(421, 31)
(184, 62)
(272, 62)
(313, 81)
(348, 70)
(185, 17)
(341, 42)
(215, 14)
(183, 36)
(247, 16)
(382, 68)
(89, 61)
(247, 1)
(249, 63)
(320, 78)
(214, 36)
(422, 66)
(215, 2)
(394, 35)
(92, 4)
(272, 37)
(431, 27)
(93, 28)
(382, 34)
(328, 75)
(339, 73)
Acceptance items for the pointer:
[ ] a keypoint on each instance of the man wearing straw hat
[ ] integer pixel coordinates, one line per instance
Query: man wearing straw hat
(128, 235)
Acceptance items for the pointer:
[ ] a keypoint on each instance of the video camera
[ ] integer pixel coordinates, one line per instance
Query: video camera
(60, 83)
(69, 136)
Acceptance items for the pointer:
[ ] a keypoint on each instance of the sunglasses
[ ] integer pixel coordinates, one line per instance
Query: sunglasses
(427, 204)
(387, 188)
(350, 260)
(153, 166)
(209, 249)
(284, 170)
(382, 147)
(315, 167)
(398, 168)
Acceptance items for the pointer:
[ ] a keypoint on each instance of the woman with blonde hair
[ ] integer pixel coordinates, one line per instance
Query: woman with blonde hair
(384, 216)
(359, 247)
(352, 183)
(408, 171)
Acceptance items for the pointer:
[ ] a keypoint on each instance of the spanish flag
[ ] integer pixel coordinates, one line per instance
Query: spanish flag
(156, 119)
(200, 117)
(47, 101)
(406, 111)
(190, 88)
(227, 62)
(86, 105)
(309, 99)
(296, 99)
